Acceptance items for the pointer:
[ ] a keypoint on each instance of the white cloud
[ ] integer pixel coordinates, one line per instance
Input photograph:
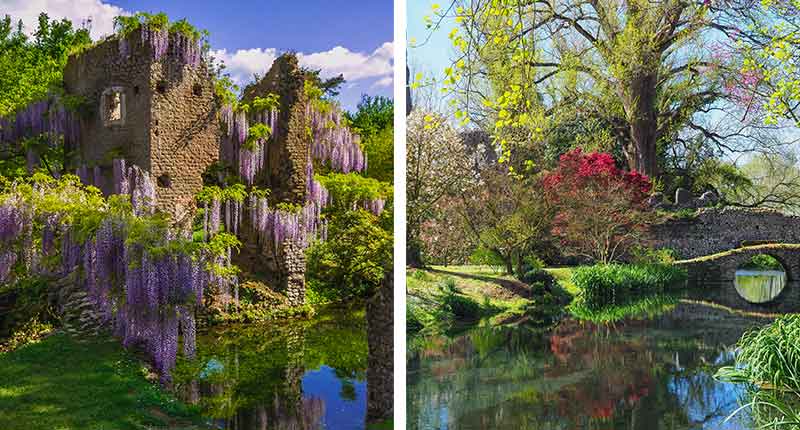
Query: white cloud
(355, 66)
(384, 82)
(243, 63)
(101, 15)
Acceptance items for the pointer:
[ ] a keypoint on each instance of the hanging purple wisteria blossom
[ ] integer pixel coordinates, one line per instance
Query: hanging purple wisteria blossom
(333, 142)
(375, 206)
(7, 261)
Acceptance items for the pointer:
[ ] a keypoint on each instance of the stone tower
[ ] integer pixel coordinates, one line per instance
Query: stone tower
(159, 114)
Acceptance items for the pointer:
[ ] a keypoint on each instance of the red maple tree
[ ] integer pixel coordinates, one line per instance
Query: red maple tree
(601, 210)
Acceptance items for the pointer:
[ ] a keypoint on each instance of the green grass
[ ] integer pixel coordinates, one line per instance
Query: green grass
(643, 308)
(59, 383)
(564, 277)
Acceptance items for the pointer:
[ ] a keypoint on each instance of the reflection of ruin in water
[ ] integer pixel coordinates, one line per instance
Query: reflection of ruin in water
(295, 374)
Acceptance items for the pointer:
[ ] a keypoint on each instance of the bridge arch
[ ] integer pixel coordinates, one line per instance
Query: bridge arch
(711, 278)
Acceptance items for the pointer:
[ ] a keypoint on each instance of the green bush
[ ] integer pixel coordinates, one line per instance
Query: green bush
(462, 307)
(602, 286)
(537, 275)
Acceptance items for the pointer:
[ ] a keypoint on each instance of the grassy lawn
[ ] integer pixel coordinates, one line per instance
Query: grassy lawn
(63, 384)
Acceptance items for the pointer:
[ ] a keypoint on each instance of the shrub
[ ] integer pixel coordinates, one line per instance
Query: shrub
(602, 286)
(538, 276)
(462, 307)
(645, 255)
(548, 301)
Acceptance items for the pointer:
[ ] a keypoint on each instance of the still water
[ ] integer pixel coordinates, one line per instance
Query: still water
(759, 286)
(303, 375)
(646, 375)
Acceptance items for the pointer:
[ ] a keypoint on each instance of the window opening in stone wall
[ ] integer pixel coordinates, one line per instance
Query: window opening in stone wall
(197, 89)
(161, 87)
(113, 106)
(164, 181)
(136, 90)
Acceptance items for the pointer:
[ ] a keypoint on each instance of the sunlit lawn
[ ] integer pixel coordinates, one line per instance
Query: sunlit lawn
(62, 384)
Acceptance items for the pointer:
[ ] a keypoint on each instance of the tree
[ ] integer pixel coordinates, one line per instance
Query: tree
(445, 238)
(601, 210)
(647, 72)
(353, 261)
(31, 68)
(330, 87)
(436, 166)
(374, 122)
(507, 215)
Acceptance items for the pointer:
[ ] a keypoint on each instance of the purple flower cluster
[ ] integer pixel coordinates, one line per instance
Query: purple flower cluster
(187, 50)
(249, 160)
(315, 192)
(334, 143)
(136, 182)
(11, 218)
(47, 118)
(375, 206)
(146, 297)
(275, 226)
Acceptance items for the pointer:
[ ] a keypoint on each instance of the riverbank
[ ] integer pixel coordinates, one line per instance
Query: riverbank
(472, 294)
(63, 383)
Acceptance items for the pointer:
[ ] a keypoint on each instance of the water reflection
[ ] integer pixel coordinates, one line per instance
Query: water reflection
(644, 375)
(759, 286)
(302, 375)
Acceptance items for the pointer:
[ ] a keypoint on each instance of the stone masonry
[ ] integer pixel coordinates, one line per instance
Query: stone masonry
(288, 151)
(712, 279)
(380, 337)
(293, 269)
(715, 230)
(165, 121)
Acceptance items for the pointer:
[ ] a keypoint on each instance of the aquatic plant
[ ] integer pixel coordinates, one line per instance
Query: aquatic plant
(769, 363)
(603, 286)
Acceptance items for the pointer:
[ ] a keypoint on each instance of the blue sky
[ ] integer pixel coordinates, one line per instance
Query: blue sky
(432, 57)
(337, 36)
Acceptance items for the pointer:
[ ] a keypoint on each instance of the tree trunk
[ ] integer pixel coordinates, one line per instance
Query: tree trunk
(413, 251)
(640, 106)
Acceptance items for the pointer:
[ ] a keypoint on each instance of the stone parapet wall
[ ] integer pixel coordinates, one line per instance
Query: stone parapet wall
(715, 230)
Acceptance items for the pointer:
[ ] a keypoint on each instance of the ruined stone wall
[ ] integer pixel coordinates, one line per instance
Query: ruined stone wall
(284, 171)
(89, 74)
(715, 230)
(170, 124)
(380, 337)
(293, 273)
(184, 133)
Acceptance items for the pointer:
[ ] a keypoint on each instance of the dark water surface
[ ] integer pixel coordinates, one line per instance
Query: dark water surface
(303, 375)
(646, 375)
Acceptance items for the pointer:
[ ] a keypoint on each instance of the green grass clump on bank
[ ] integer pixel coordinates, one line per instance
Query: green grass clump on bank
(643, 308)
(769, 363)
(59, 383)
(613, 285)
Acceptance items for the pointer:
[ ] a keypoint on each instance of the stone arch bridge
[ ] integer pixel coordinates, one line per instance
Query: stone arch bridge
(711, 278)
(713, 242)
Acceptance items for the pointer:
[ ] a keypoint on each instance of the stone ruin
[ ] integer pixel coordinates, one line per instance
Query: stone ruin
(683, 200)
(159, 113)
